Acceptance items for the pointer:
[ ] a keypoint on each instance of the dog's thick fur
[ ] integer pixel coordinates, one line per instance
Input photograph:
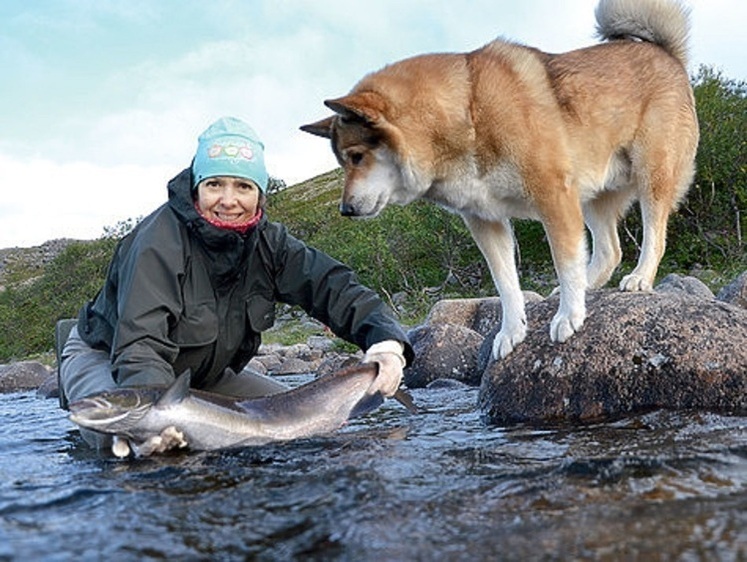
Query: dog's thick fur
(510, 131)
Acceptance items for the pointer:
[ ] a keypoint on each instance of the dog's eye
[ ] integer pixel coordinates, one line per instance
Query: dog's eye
(355, 158)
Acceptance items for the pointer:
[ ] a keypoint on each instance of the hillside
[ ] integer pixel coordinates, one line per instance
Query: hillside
(22, 264)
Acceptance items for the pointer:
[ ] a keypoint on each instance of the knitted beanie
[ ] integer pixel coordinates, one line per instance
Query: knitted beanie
(230, 147)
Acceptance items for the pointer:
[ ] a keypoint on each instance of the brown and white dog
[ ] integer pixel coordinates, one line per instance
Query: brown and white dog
(510, 131)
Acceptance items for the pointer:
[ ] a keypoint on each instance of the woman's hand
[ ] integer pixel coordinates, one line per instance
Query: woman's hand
(388, 354)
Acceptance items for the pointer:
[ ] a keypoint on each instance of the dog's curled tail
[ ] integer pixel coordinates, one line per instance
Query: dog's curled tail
(663, 22)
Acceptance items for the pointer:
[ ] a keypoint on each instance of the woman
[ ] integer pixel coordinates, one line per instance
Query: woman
(196, 282)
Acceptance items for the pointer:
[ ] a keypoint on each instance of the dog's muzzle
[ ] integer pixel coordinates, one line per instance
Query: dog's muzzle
(347, 210)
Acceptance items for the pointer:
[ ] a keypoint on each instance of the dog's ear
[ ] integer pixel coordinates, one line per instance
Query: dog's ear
(366, 107)
(321, 128)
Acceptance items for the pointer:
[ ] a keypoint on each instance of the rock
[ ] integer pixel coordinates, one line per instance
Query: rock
(444, 351)
(21, 376)
(635, 352)
(293, 366)
(268, 362)
(735, 292)
(674, 283)
(321, 343)
(296, 351)
(480, 315)
(446, 383)
(257, 366)
(334, 362)
(49, 388)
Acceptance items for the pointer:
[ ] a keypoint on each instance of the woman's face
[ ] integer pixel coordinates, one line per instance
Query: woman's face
(228, 199)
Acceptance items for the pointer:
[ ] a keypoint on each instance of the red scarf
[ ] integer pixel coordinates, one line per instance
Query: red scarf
(242, 228)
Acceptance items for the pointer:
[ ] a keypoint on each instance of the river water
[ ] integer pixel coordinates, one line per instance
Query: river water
(439, 485)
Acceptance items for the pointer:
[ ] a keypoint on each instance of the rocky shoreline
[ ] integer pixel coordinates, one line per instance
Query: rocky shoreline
(677, 347)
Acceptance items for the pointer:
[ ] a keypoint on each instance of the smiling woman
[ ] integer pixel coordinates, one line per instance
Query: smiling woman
(194, 285)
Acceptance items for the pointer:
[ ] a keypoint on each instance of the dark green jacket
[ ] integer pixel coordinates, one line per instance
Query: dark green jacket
(181, 293)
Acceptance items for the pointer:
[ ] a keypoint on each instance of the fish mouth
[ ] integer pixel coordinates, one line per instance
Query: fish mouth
(99, 414)
(93, 422)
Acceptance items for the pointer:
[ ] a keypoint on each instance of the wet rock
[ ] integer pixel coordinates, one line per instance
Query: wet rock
(446, 383)
(24, 375)
(444, 351)
(635, 352)
(49, 388)
(735, 292)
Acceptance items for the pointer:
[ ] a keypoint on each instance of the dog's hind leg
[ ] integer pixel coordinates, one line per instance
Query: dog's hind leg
(663, 169)
(663, 181)
(601, 216)
(496, 242)
(654, 215)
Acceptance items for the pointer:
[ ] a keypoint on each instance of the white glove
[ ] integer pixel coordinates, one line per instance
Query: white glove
(388, 354)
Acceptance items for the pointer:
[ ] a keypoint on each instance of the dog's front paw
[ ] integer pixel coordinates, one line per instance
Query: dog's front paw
(505, 341)
(634, 283)
(564, 326)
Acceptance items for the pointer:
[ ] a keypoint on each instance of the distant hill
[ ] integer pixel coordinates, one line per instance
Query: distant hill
(26, 263)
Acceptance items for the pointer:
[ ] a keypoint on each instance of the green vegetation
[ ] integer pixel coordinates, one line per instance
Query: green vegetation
(417, 254)
(29, 310)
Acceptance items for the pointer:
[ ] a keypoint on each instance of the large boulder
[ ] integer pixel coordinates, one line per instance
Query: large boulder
(443, 350)
(635, 352)
(448, 343)
(21, 376)
(675, 283)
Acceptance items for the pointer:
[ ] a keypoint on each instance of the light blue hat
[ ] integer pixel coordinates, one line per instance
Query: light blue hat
(230, 147)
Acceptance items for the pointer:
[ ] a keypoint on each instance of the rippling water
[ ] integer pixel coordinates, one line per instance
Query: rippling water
(439, 485)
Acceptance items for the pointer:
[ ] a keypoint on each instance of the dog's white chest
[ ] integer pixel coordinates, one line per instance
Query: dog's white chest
(494, 196)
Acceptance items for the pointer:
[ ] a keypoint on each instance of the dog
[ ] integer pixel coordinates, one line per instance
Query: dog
(510, 131)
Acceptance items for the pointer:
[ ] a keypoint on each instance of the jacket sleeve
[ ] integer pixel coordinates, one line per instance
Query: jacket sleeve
(330, 292)
(148, 303)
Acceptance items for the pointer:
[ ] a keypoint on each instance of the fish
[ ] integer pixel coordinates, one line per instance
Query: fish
(206, 421)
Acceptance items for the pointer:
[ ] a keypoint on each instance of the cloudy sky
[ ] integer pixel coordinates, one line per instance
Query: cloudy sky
(102, 100)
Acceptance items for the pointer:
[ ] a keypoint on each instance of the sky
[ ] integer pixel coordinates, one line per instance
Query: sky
(101, 101)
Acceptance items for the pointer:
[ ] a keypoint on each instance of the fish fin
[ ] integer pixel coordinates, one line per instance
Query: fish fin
(367, 404)
(404, 398)
(169, 439)
(178, 391)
